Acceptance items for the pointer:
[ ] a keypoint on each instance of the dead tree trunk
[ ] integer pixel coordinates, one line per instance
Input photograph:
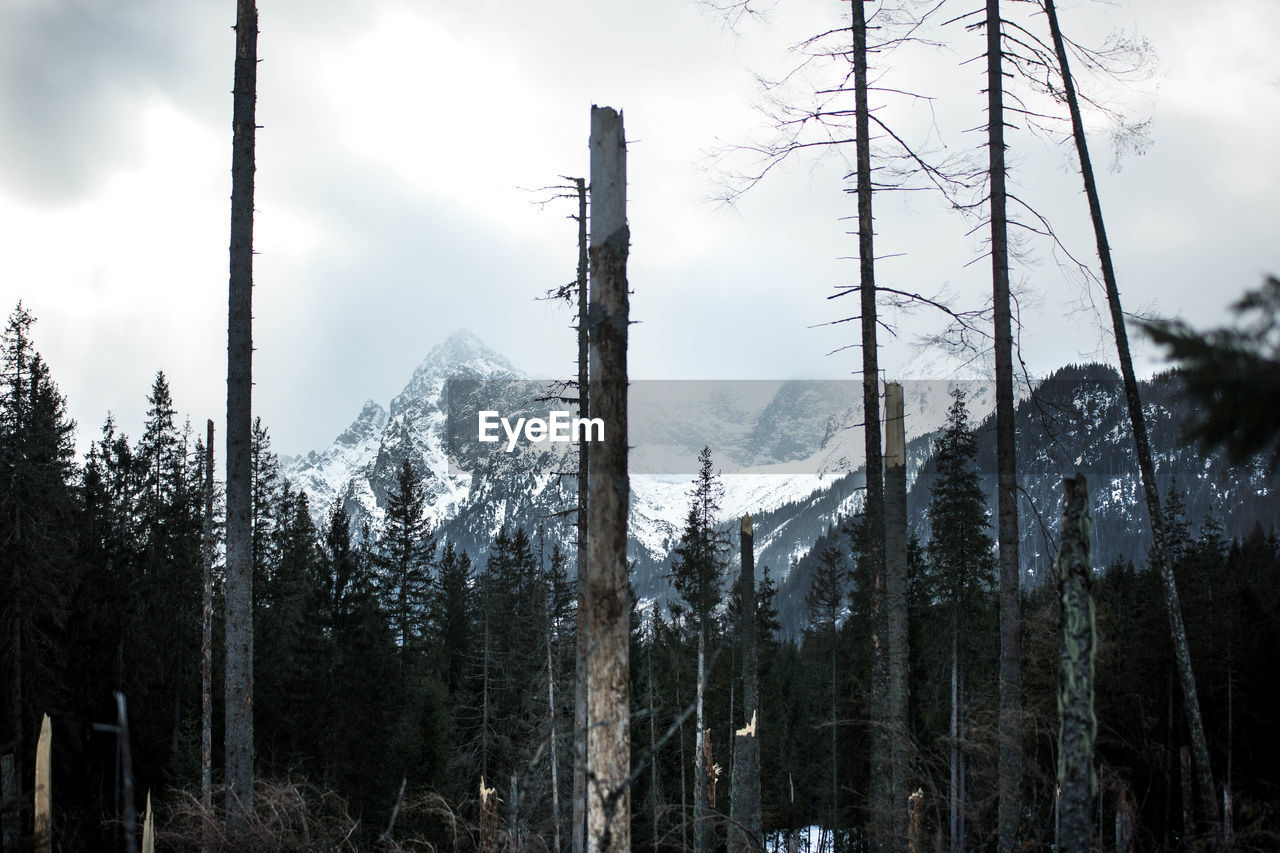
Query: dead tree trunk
(551, 739)
(206, 636)
(744, 799)
(44, 789)
(608, 592)
(239, 630)
(653, 737)
(702, 835)
(1173, 605)
(1010, 729)
(580, 681)
(873, 511)
(1078, 727)
(895, 561)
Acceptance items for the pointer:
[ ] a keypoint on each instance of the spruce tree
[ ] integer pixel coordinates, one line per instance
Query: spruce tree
(406, 554)
(696, 572)
(961, 576)
(36, 512)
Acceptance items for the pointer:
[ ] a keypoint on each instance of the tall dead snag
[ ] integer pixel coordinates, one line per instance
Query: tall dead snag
(744, 798)
(1182, 655)
(881, 783)
(1078, 728)
(895, 571)
(206, 634)
(608, 593)
(239, 630)
(580, 683)
(1010, 728)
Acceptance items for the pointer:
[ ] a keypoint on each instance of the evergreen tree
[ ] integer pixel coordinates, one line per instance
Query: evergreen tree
(961, 576)
(37, 509)
(407, 552)
(696, 572)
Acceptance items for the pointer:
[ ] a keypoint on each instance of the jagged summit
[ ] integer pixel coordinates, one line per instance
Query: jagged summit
(368, 424)
(462, 355)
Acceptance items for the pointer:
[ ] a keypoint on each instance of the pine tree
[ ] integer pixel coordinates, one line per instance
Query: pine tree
(962, 570)
(696, 572)
(407, 553)
(36, 512)
(825, 600)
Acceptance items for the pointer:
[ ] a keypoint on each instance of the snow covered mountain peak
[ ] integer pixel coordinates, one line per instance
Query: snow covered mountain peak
(462, 355)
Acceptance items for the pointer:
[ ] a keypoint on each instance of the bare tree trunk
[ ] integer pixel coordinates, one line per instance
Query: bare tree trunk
(1173, 606)
(702, 841)
(125, 752)
(653, 740)
(873, 514)
(954, 804)
(1078, 727)
(1010, 729)
(44, 789)
(555, 748)
(580, 685)
(915, 814)
(239, 630)
(684, 787)
(744, 806)
(895, 560)
(513, 816)
(608, 592)
(206, 639)
(1188, 819)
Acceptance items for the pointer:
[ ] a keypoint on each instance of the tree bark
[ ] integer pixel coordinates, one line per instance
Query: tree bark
(1010, 728)
(653, 739)
(206, 638)
(873, 511)
(239, 593)
(702, 836)
(43, 789)
(895, 560)
(744, 806)
(1078, 726)
(608, 592)
(1173, 605)
(580, 686)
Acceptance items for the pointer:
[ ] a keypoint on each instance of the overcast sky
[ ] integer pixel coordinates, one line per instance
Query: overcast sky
(401, 140)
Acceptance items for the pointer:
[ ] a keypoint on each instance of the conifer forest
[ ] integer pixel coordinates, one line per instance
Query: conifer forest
(892, 462)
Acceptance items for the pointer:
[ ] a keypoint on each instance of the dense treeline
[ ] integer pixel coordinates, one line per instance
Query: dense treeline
(387, 655)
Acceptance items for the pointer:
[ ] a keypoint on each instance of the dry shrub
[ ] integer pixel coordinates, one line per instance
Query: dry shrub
(290, 817)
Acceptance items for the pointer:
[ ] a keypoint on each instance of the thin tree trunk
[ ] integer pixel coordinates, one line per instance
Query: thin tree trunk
(701, 810)
(513, 816)
(953, 805)
(580, 686)
(555, 748)
(1078, 727)
(653, 740)
(684, 789)
(1010, 729)
(206, 639)
(1173, 606)
(608, 592)
(239, 630)
(744, 832)
(126, 774)
(881, 755)
(895, 560)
